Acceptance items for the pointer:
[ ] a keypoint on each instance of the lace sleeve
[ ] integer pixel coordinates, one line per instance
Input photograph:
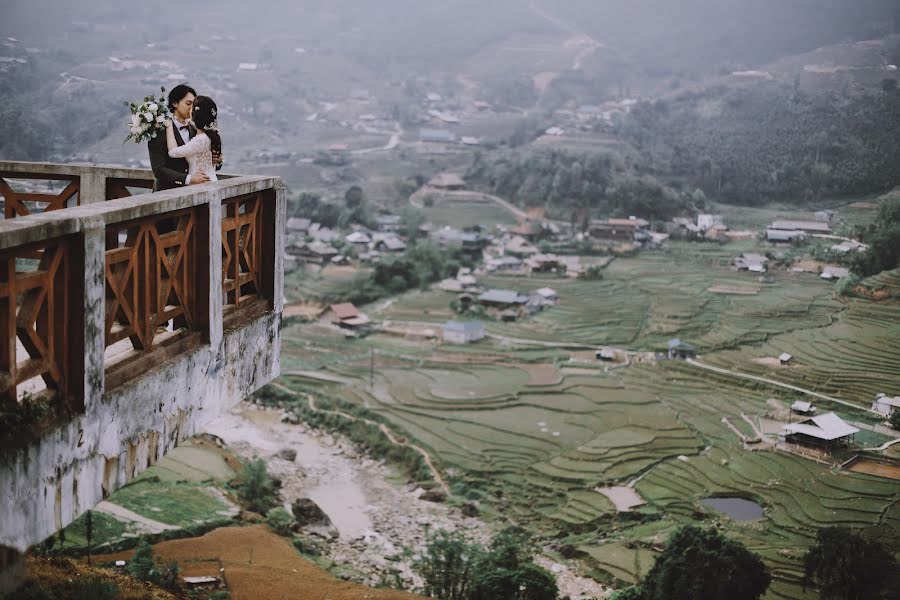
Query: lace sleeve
(199, 144)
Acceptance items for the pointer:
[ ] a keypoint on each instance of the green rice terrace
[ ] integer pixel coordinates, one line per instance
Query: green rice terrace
(531, 425)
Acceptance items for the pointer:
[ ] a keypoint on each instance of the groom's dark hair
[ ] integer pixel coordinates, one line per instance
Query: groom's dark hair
(178, 93)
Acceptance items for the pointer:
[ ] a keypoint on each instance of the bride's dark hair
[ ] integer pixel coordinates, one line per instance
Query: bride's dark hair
(204, 114)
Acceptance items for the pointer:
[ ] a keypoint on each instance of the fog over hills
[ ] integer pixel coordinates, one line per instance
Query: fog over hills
(527, 58)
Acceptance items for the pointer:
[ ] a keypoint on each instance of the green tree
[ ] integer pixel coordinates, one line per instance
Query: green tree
(447, 566)
(508, 571)
(845, 566)
(89, 533)
(255, 488)
(702, 564)
(895, 420)
(143, 564)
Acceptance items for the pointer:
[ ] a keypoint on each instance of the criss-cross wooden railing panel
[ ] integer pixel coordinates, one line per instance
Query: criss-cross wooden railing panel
(36, 310)
(149, 277)
(15, 201)
(242, 254)
(118, 188)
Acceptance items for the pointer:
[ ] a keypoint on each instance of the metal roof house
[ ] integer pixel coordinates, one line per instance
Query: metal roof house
(680, 350)
(828, 430)
(502, 298)
(886, 405)
(463, 332)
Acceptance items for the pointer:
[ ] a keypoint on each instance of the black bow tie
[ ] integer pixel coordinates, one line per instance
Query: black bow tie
(183, 128)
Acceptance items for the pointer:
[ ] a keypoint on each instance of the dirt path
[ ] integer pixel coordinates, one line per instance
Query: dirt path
(127, 516)
(776, 383)
(436, 474)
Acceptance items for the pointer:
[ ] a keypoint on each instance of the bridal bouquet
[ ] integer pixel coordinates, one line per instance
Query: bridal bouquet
(148, 119)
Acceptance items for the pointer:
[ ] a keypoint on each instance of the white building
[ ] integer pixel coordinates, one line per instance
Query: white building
(463, 332)
(705, 222)
(886, 405)
(548, 296)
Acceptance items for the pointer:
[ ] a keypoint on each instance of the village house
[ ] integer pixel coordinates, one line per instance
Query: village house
(680, 350)
(784, 358)
(447, 181)
(781, 236)
(388, 242)
(316, 252)
(849, 246)
(824, 431)
(548, 296)
(449, 237)
(751, 261)
(297, 225)
(801, 407)
(388, 223)
(503, 264)
(607, 354)
(805, 226)
(831, 272)
(624, 230)
(346, 316)
(706, 222)
(546, 263)
(502, 299)
(825, 216)
(463, 332)
(886, 405)
(322, 234)
(519, 247)
(359, 240)
(439, 136)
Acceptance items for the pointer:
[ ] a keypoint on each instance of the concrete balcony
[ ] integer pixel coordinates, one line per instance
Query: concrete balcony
(127, 322)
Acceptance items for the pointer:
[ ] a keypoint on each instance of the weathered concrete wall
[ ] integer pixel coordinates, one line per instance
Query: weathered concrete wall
(47, 484)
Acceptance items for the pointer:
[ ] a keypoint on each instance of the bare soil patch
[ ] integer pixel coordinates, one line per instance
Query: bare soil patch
(733, 290)
(308, 310)
(624, 498)
(260, 565)
(542, 374)
(871, 467)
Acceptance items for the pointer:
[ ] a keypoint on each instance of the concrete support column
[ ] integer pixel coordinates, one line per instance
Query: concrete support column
(12, 570)
(93, 187)
(280, 228)
(94, 239)
(216, 309)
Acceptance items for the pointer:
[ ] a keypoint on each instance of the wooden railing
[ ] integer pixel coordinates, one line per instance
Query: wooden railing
(135, 270)
(246, 263)
(81, 184)
(37, 284)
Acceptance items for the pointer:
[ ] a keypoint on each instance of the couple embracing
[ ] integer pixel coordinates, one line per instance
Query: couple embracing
(191, 150)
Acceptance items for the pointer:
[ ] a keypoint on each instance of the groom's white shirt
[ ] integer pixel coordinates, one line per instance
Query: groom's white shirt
(185, 139)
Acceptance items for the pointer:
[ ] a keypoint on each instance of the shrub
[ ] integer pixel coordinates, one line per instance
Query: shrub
(280, 521)
(256, 489)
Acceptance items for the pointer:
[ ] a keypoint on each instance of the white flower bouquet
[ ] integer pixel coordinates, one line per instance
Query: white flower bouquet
(148, 119)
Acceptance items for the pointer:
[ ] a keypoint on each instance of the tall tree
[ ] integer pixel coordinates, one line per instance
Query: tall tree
(847, 567)
(702, 564)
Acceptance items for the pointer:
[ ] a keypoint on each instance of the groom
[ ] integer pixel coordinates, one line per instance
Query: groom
(173, 172)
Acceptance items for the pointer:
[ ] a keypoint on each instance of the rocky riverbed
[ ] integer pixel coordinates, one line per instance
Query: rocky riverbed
(379, 524)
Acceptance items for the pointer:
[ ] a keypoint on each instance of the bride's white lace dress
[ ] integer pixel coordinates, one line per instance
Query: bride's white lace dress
(198, 153)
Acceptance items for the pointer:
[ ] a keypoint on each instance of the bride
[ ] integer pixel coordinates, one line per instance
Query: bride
(198, 151)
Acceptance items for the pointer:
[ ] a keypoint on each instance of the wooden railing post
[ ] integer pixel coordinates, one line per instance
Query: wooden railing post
(93, 187)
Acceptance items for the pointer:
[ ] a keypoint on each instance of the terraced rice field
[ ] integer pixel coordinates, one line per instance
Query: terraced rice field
(533, 450)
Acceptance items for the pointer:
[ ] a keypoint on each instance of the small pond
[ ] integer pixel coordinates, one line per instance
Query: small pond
(738, 509)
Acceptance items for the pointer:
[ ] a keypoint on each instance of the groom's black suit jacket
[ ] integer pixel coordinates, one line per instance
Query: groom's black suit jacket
(169, 172)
